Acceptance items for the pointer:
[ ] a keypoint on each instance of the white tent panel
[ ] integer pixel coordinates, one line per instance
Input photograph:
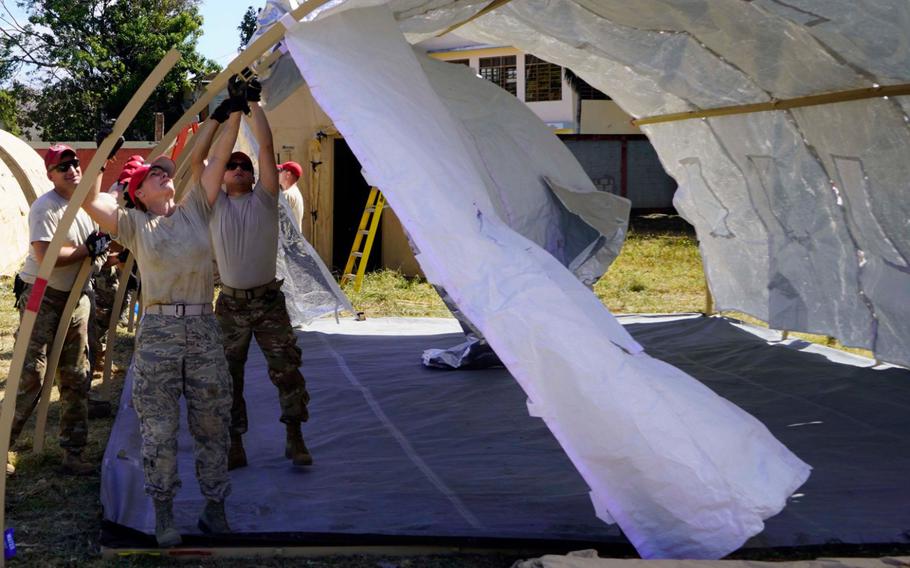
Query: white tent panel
(684, 472)
(802, 215)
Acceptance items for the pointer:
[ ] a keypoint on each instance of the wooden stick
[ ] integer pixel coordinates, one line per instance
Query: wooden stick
(53, 359)
(124, 280)
(783, 104)
(27, 324)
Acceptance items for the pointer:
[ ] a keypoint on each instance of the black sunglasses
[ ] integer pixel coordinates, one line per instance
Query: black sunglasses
(247, 167)
(63, 167)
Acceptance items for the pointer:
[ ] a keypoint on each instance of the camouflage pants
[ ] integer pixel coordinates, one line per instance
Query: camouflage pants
(105, 291)
(71, 367)
(182, 356)
(267, 318)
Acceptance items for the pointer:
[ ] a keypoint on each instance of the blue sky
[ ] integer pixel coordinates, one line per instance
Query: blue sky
(221, 38)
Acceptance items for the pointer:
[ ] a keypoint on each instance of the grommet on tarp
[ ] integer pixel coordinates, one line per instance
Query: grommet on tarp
(9, 544)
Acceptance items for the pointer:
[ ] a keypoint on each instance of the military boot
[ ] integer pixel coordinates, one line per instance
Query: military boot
(236, 455)
(74, 463)
(294, 448)
(165, 531)
(213, 520)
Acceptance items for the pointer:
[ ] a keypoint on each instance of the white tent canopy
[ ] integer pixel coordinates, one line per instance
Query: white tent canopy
(684, 472)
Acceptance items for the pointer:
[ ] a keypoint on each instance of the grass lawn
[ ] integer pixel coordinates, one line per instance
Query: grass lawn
(57, 519)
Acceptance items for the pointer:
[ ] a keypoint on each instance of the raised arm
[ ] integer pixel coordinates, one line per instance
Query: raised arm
(268, 170)
(202, 146)
(101, 207)
(218, 158)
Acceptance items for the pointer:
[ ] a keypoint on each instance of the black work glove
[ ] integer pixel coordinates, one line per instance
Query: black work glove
(97, 244)
(123, 255)
(222, 111)
(253, 90)
(102, 134)
(237, 95)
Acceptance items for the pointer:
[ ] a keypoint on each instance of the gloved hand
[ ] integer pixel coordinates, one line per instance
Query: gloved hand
(237, 95)
(222, 111)
(253, 90)
(123, 255)
(102, 134)
(97, 244)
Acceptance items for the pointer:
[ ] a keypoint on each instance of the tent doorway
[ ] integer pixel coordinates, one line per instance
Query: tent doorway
(350, 195)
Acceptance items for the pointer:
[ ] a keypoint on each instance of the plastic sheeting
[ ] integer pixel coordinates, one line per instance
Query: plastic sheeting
(802, 215)
(683, 471)
(408, 455)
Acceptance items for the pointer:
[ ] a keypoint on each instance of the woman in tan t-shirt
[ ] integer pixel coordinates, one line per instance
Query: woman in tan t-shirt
(179, 350)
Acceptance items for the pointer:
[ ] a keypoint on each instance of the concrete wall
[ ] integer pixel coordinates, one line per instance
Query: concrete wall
(643, 179)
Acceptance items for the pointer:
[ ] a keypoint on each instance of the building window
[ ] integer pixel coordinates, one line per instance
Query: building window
(543, 80)
(465, 62)
(502, 71)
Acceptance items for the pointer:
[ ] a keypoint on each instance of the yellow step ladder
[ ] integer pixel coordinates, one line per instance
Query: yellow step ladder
(371, 214)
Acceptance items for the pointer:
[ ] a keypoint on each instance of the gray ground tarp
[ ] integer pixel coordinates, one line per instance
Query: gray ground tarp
(405, 450)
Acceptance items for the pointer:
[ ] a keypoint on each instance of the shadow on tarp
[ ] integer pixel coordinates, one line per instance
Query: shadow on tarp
(409, 455)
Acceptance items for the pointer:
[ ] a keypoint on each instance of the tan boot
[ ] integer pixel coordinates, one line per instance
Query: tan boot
(294, 448)
(74, 463)
(165, 530)
(213, 520)
(236, 455)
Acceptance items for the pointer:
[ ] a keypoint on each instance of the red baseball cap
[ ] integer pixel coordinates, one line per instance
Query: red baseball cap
(141, 171)
(132, 163)
(292, 167)
(55, 154)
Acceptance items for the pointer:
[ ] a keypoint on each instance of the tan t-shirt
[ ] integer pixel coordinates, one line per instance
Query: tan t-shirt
(295, 200)
(245, 238)
(174, 253)
(43, 218)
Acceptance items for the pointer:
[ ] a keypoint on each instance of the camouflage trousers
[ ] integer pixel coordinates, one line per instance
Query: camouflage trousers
(177, 356)
(74, 384)
(267, 318)
(105, 292)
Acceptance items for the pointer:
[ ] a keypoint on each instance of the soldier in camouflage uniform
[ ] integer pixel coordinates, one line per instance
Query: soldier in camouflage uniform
(178, 345)
(82, 242)
(245, 240)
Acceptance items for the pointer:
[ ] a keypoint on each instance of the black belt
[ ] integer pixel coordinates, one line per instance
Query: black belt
(252, 293)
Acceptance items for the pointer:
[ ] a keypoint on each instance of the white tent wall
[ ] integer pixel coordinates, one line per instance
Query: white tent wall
(802, 215)
(684, 472)
(21, 173)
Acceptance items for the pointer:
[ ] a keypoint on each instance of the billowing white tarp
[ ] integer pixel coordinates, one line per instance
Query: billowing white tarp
(684, 472)
(803, 216)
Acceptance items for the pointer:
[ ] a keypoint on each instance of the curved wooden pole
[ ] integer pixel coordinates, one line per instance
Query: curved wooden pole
(245, 59)
(124, 279)
(27, 324)
(53, 358)
(31, 194)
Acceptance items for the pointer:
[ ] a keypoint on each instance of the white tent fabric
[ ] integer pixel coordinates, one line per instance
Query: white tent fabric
(684, 472)
(802, 215)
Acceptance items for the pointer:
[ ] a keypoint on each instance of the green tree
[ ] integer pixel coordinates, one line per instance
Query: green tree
(86, 58)
(247, 27)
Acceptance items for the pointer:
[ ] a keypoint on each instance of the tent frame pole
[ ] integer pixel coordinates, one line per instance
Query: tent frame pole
(782, 104)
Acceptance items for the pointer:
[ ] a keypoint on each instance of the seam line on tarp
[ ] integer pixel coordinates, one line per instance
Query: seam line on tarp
(401, 439)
